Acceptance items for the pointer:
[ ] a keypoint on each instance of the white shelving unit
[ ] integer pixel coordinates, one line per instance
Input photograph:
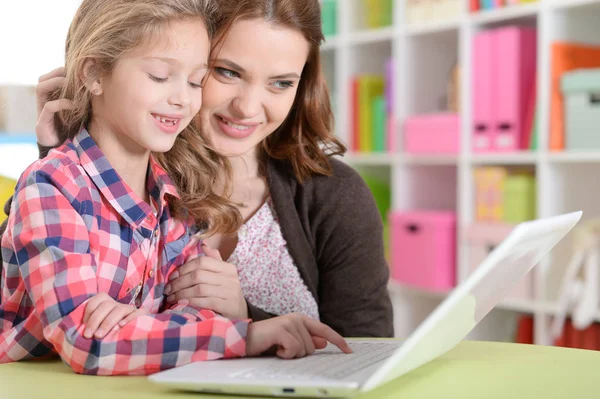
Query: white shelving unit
(423, 57)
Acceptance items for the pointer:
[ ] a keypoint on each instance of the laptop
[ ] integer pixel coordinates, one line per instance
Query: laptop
(331, 373)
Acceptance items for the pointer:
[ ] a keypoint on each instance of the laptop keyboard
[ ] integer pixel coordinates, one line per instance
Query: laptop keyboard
(328, 363)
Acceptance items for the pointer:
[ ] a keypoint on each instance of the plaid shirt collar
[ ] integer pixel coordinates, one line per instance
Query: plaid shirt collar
(120, 196)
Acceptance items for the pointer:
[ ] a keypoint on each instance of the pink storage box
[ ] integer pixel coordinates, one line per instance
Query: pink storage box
(423, 247)
(482, 238)
(432, 134)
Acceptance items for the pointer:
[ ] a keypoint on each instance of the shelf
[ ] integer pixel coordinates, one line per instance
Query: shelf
(430, 159)
(517, 158)
(574, 157)
(371, 159)
(565, 4)
(432, 28)
(519, 305)
(507, 13)
(552, 309)
(372, 36)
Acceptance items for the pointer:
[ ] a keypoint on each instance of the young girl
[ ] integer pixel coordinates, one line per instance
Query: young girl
(92, 228)
(304, 247)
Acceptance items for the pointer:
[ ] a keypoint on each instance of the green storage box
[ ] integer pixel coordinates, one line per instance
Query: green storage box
(329, 17)
(519, 198)
(581, 92)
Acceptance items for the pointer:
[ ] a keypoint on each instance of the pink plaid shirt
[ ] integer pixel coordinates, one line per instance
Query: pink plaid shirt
(75, 230)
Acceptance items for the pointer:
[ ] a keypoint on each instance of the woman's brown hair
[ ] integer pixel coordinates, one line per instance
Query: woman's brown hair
(104, 30)
(306, 136)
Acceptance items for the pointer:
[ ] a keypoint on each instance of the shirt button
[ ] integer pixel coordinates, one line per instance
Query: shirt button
(155, 233)
(138, 302)
(151, 273)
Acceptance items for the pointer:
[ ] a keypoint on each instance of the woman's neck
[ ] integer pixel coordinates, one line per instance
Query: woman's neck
(248, 188)
(126, 157)
(245, 166)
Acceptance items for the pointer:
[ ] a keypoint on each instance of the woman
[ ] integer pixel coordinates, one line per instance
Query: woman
(312, 239)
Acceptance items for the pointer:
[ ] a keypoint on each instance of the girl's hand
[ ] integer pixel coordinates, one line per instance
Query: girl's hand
(210, 283)
(103, 314)
(293, 335)
(47, 85)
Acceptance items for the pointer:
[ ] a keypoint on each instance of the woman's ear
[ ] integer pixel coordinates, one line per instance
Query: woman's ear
(90, 77)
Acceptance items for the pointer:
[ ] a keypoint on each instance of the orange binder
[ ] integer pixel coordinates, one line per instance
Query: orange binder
(566, 57)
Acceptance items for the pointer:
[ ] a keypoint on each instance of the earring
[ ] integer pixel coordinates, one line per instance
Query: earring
(95, 91)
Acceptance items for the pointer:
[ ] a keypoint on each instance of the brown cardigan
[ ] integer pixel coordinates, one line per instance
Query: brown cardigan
(334, 234)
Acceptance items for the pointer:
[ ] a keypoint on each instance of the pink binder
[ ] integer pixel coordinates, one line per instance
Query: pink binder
(483, 96)
(515, 71)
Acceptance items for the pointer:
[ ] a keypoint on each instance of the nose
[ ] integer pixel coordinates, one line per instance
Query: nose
(180, 95)
(247, 102)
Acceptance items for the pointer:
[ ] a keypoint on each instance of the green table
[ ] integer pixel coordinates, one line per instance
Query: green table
(471, 370)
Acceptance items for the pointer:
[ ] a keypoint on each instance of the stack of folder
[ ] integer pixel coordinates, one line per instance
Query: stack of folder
(503, 195)
(504, 84)
(372, 122)
(378, 13)
(368, 113)
(477, 5)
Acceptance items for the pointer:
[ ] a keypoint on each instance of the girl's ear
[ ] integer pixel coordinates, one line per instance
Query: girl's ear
(90, 77)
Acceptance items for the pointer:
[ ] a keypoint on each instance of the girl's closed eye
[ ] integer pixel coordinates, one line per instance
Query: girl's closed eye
(162, 80)
(157, 79)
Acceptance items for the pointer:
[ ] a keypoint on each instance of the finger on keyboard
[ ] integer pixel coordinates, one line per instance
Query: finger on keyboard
(319, 329)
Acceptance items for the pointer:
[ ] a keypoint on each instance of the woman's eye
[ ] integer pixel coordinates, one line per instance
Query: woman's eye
(283, 84)
(228, 73)
(195, 85)
(157, 79)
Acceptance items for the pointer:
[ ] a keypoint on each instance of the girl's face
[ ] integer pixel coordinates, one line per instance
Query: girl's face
(153, 92)
(252, 85)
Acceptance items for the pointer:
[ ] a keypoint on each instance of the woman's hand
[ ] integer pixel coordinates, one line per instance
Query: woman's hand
(47, 85)
(210, 283)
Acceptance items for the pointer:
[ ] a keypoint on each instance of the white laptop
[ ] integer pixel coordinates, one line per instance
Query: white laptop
(331, 373)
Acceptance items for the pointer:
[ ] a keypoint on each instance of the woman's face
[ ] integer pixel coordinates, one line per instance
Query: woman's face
(252, 85)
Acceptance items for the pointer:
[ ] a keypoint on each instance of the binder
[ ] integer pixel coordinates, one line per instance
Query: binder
(513, 77)
(566, 57)
(378, 123)
(369, 87)
(483, 96)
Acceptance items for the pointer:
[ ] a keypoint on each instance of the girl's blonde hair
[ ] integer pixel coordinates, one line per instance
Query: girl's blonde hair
(105, 30)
